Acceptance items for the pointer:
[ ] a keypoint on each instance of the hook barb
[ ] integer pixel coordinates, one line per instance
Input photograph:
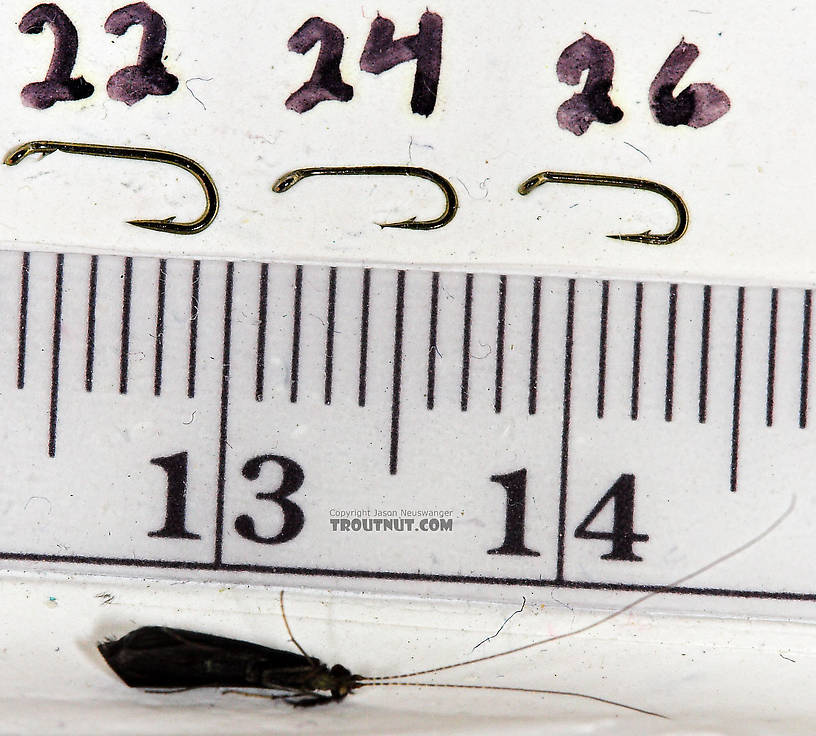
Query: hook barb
(288, 180)
(167, 225)
(607, 180)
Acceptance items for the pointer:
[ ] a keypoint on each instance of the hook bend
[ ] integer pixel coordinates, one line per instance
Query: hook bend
(288, 180)
(607, 180)
(167, 225)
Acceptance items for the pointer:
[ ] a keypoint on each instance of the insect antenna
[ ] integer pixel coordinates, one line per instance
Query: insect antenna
(594, 698)
(604, 619)
(289, 630)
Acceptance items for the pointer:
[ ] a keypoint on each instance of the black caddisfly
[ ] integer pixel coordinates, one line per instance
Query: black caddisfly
(161, 657)
(157, 657)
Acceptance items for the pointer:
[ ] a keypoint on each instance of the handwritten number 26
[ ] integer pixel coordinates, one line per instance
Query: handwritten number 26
(698, 105)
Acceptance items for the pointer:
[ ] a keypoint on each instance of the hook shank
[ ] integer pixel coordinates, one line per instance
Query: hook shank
(167, 225)
(288, 180)
(607, 180)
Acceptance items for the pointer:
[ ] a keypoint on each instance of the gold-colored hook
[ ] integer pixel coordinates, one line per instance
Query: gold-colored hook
(287, 181)
(606, 180)
(168, 225)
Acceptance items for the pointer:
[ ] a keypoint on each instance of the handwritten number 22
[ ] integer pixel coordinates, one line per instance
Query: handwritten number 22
(131, 84)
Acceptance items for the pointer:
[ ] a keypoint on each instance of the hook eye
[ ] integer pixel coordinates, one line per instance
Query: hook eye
(287, 181)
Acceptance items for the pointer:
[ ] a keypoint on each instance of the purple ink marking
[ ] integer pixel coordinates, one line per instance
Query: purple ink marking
(382, 53)
(698, 105)
(326, 82)
(58, 86)
(592, 103)
(148, 76)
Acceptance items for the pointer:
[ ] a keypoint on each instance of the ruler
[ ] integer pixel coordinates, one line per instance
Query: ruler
(402, 431)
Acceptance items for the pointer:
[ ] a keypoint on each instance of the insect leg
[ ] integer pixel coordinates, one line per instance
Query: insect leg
(297, 698)
(310, 702)
(256, 695)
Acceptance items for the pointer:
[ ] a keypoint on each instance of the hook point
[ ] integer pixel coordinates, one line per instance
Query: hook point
(409, 224)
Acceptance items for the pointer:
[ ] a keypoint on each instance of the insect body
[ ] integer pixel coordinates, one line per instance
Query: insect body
(159, 657)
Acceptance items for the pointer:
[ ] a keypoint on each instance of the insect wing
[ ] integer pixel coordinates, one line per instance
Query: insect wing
(161, 657)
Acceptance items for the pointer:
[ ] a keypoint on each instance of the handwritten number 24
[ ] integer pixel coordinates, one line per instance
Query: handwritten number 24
(381, 53)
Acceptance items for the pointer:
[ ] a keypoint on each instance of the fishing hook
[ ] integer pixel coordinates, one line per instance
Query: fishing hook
(168, 225)
(288, 180)
(607, 180)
